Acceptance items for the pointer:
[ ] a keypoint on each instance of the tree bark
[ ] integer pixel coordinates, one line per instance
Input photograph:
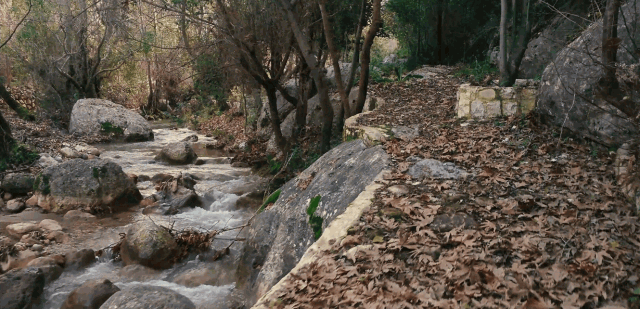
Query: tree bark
(274, 117)
(316, 74)
(13, 104)
(503, 41)
(376, 23)
(5, 138)
(610, 44)
(345, 111)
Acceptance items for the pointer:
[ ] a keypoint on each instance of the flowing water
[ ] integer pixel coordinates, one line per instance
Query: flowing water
(219, 186)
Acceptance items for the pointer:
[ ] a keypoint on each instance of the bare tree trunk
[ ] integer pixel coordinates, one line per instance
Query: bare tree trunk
(345, 111)
(610, 44)
(356, 49)
(5, 137)
(316, 74)
(13, 104)
(376, 23)
(504, 73)
(275, 118)
(439, 26)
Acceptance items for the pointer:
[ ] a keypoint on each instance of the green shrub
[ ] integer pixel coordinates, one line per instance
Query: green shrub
(271, 199)
(477, 70)
(20, 155)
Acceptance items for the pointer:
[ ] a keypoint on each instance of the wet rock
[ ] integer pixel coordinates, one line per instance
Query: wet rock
(7, 196)
(279, 236)
(197, 277)
(85, 183)
(239, 165)
(79, 259)
(15, 206)
(18, 229)
(435, 169)
(140, 273)
(220, 160)
(571, 95)
(448, 222)
(191, 138)
(177, 153)
(76, 214)
(49, 266)
(37, 247)
(158, 178)
(49, 225)
(143, 178)
(93, 116)
(17, 183)
(21, 288)
(200, 162)
(148, 244)
(68, 153)
(147, 297)
(29, 240)
(90, 295)
(58, 236)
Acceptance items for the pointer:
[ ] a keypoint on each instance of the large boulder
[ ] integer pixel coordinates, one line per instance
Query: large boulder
(21, 288)
(85, 183)
(177, 153)
(90, 295)
(17, 183)
(149, 245)
(97, 116)
(147, 297)
(279, 236)
(570, 94)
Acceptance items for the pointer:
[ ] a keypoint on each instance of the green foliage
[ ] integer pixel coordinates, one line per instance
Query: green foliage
(477, 70)
(42, 184)
(270, 199)
(20, 155)
(300, 162)
(274, 165)
(209, 80)
(315, 221)
(109, 128)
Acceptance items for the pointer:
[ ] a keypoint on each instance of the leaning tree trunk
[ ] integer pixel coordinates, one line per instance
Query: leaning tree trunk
(5, 137)
(376, 23)
(8, 98)
(610, 44)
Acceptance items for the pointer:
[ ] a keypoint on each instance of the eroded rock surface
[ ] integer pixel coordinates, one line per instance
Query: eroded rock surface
(84, 183)
(571, 95)
(21, 287)
(279, 236)
(92, 116)
(90, 295)
(149, 245)
(147, 297)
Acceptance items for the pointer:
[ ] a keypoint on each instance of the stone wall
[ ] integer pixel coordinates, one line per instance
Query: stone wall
(487, 102)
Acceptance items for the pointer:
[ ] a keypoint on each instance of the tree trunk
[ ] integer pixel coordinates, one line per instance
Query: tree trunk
(275, 118)
(439, 22)
(504, 73)
(345, 111)
(316, 74)
(5, 138)
(376, 23)
(610, 44)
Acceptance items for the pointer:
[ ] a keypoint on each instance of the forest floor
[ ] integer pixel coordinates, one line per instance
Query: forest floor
(538, 223)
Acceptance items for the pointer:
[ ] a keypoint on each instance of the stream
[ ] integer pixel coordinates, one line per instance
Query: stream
(208, 284)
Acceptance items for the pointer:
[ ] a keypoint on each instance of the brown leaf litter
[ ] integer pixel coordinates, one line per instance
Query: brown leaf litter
(541, 224)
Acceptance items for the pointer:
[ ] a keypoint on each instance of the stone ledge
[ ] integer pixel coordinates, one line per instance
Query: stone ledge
(370, 135)
(487, 102)
(336, 231)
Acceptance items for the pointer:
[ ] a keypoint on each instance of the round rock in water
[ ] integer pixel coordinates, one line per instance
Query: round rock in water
(91, 294)
(147, 297)
(177, 153)
(150, 245)
(20, 288)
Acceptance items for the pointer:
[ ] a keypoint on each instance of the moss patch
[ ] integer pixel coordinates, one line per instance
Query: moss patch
(315, 221)
(271, 199)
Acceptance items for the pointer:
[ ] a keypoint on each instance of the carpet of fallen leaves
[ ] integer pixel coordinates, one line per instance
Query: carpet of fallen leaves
(543, 223)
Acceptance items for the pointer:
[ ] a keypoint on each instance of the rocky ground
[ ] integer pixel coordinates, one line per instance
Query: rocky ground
(518, 217)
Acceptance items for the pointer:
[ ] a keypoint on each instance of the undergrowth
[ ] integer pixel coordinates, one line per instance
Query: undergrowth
(20, 155)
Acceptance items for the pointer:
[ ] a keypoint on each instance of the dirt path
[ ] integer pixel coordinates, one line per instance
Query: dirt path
(538, 222)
